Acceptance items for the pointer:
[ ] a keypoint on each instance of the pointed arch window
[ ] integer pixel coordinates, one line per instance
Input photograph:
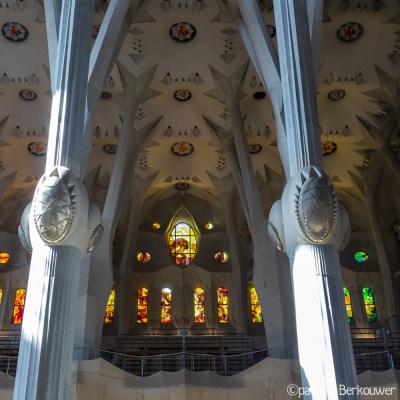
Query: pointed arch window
(347, 302)
(19, 305)
(142, 305)
(369, 303)
(256, 314)
(223, 305)
(166, 305)
(199, 313)
(110, 308)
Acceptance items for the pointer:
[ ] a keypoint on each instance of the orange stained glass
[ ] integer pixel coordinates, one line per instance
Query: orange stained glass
(142, 305)
(166, 306)
(110, 308)
(4, 257)
(256, 314)
(221, 256)
(19, 304)
(182, 244)
(1, 296)
(199, 305)
(144, 257)
(223, 305)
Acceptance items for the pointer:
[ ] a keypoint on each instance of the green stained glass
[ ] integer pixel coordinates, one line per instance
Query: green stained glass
(361, 256)
(369, 302)
(349, 308)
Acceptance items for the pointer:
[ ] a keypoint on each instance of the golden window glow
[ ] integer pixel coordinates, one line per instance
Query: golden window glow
(142, 304)
(223, 305)
(256, 314)
(4, 257)
(349, 308)
(221, 256)
(199, 305)
(143, 257)
(182, 244)
(166, 306)
(156, 225)
(19, 304)
(109, 316)
(1, 296)
(209, 225)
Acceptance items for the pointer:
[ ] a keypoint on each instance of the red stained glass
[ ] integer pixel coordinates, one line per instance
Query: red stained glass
(142, 304)
(182, 244)
(109, 316)
(199, 312)
(223, 305)
(19, 304)
(166, 306)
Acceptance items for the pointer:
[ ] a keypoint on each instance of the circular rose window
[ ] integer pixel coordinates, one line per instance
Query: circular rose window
(143, 257)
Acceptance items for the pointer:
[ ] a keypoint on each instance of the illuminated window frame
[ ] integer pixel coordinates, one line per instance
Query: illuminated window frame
(142, 305)
(349, 307)
(166, 305)
(182, 244)
(223, 305)
(1, 296)
(19, 305)
(199, 305)
(369, 304)
(110, 308)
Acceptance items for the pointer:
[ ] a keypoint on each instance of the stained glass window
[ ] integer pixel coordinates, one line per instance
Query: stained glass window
(109, 316)
(369, 303)
(166, 306)
(19, 304)
(4, 257)
(182, 244)
(156, 225)
(199, 305)
(223, 305)
(361, 256)
(144, 257)
(349, 308)
(221, 256)
(1, 296)
(142, 304)
(256, 314)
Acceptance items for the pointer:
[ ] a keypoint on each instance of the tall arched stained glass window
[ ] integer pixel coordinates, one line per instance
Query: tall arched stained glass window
(223, 305)
(142, 305)
(256, 314)
(369, 303)
(182, 244)
(199, 305)
(19, 304)
(1, 296)
(349, 308)
(166, 305)
(110, 308)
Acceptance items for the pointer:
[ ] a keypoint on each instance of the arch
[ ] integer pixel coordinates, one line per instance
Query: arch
(223, 305)
(369, 304)
(182, 244)
(19, 305)
(142, 305)
(110, 308)
(349, 307)
(166, 305)
(199, 312)
(256, 314)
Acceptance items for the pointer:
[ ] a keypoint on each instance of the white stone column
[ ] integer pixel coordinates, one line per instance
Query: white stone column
(308, 223)
(59, 226)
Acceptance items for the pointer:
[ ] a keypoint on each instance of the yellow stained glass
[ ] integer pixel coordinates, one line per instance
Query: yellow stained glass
(142, 304)
(223, 305)
(256, 314)
(349, 308)
(110, 308)
(1, 296)
(4, 257)
(143, 257)
(19, 304)
(156, 225)
(182, 244)
(166, 306)
(221, 256)
(199, 305)
(369, 302)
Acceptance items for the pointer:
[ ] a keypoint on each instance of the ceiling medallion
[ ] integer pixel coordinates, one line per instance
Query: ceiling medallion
(182, 32)
(182, 186)
(110, 148)
(105, 95)
(271, 30)
(328, 148)
(37, 148)
(350, 32)
(182, 148)
(182, 95)
(27, 94)
(95, 30)
(255, 148)
(14, 31)
(259, 95)
(336, 94)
